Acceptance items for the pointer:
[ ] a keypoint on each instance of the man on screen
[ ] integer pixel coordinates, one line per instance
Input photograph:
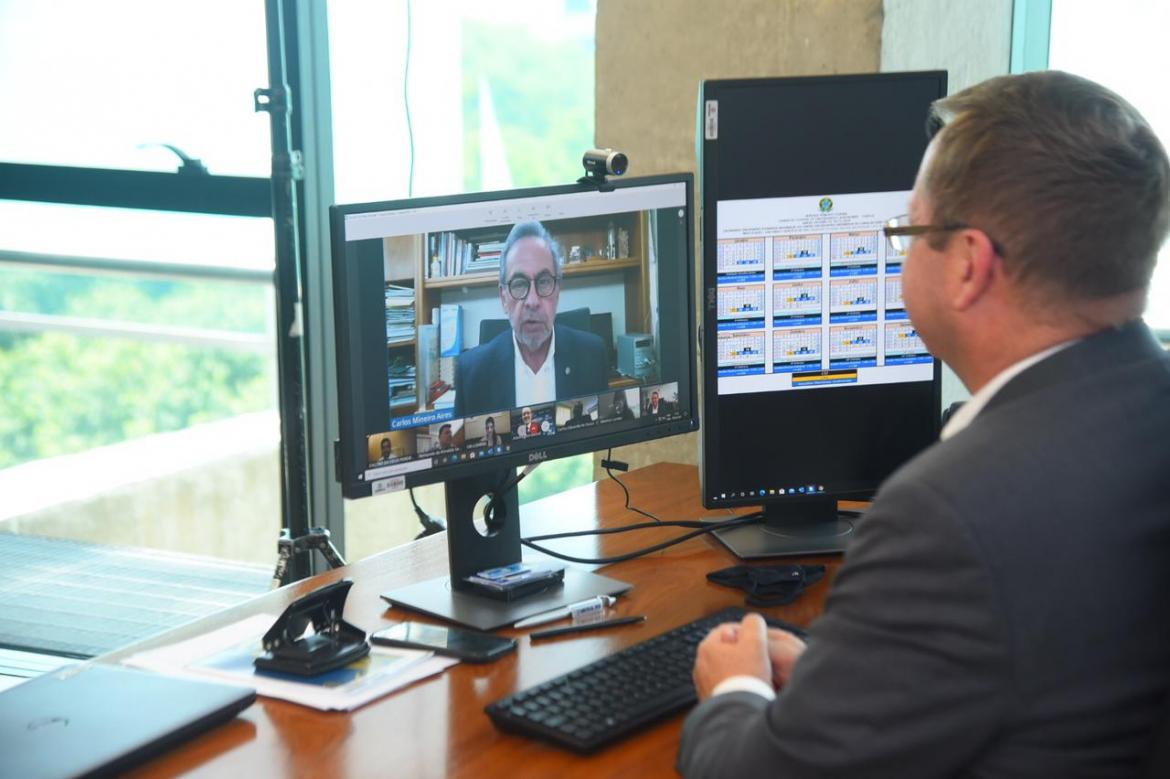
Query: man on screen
(536, 360)
(1002, 608)
(446, 439)
(657, 405)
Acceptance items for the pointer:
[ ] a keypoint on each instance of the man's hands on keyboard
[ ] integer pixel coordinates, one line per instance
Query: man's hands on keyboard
(609, 699)
(746, 648)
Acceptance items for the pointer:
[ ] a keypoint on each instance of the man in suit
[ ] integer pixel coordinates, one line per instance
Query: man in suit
(1002, 609)
(657, 406)
(537, 360)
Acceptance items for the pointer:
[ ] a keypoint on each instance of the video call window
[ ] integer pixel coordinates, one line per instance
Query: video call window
(491, 309)
(499, 304)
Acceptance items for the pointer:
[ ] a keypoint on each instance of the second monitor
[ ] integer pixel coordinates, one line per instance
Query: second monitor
(817, 386)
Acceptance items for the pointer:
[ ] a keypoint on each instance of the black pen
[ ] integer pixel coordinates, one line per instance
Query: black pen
(609, 623)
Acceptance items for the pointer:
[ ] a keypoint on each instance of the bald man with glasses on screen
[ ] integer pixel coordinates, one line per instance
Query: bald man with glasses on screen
(1002, 607)
(536, 360)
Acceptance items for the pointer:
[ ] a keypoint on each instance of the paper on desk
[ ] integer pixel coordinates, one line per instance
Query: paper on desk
(226, 654)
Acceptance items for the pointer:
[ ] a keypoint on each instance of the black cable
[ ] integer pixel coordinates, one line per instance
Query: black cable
(406, 102)
(608, 463)
(703, 528)
(508, 484)
(430, 524)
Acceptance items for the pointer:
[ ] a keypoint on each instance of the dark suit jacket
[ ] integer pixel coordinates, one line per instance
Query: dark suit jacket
(485, 375)
(1004, 609)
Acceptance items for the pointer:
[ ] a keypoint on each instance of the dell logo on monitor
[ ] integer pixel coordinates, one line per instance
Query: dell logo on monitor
(538, 457)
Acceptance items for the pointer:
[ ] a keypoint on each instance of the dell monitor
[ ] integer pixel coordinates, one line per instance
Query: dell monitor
(478, 333)
(816, 383)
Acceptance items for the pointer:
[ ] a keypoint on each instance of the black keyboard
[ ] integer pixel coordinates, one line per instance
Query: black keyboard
(612, 698)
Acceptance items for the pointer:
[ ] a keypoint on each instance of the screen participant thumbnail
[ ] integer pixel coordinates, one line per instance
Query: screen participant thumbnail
(620, 405)
(440, 438)
(660, 400)
(490, 432)
(390, 447)
(534, 421)
(580, 412)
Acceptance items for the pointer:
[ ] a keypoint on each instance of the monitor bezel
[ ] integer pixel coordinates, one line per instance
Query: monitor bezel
(349, 375)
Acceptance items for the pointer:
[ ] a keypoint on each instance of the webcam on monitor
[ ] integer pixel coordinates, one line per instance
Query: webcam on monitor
(599, 163)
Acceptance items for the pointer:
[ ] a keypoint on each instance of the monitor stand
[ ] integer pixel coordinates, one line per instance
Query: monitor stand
(469, 551)
(799, 527)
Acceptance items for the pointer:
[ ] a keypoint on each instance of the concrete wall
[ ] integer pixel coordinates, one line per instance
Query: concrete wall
(210, 490)
(971, 41)
(652, 54)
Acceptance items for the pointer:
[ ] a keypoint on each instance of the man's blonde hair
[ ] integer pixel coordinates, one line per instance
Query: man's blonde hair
(1066, 176)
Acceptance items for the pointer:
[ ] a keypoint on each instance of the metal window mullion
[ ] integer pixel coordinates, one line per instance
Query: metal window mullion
(20, 322)
(155, 269)
(314, 122)
(149, 190)
(1031, 33)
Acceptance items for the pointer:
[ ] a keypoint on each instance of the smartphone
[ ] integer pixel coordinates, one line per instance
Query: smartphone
(469, 645)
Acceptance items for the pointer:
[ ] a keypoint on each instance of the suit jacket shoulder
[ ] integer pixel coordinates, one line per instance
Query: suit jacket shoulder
(484, 377)
(581, 363)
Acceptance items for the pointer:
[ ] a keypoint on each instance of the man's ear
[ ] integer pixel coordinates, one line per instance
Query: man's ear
(504, 299)
(974, 268)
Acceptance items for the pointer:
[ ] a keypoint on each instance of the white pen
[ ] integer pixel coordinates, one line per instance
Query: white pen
(584, 607)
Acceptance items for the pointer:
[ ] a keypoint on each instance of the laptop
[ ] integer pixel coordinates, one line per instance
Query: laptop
(98, 720)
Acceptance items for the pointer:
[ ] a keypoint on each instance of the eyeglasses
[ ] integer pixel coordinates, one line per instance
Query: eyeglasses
(519, 286)
(900, 233)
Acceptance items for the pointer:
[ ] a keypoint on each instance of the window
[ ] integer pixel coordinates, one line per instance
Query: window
(439, 98)
(1122, 47)
(137, 347)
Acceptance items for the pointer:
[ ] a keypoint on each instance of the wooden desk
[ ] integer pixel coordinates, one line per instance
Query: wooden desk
(437, 727)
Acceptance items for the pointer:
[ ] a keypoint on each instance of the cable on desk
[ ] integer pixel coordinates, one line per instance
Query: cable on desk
(608, 463)
(702, 528)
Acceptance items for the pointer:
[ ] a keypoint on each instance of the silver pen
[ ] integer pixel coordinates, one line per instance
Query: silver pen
(587, 606)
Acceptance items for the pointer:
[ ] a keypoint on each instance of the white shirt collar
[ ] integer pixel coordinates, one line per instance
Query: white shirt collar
(969, 410)
(535, 386)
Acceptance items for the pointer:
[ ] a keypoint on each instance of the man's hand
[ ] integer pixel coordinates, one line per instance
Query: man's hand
(784, 649)
(733, 649)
